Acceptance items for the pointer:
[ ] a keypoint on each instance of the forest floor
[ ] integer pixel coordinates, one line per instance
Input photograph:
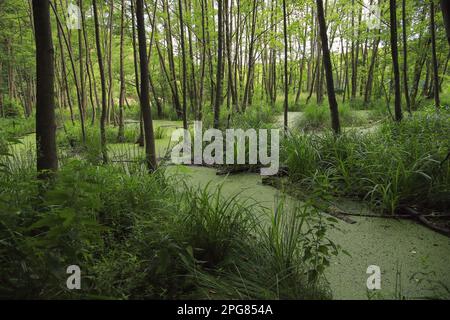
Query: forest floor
(412, 258)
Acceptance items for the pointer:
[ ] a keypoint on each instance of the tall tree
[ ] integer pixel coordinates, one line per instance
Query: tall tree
(405, 58)
(328, 68)
(102, 83)
(150, 154)
(183, 57)
(437, 101)
(395, 66)
(120, 136)
(173, 80)
(286, 81)
(445, 7)
(218, 98)
(47, 160)
(81, 66)
(250, 63)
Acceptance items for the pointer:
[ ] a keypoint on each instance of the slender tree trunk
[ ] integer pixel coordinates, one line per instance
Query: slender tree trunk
(250, 58)
(110, 108)
(140, 140)
(92, 83)
(328, 68)
(218, 98)
(302, 63)
(286, 84)
(64, 74)
(437, 101)
(168, 28)
(81, 66)
(394, 52)
(228, 25)
(74, 71)
(183, 57)
(135, 53)
(150, 78)
(370, 75)
(193, 92)
(150, 154)
(445, 7)
(120, 136)
(203, 63)
(405, 58)
(47, 160)
(103, 84)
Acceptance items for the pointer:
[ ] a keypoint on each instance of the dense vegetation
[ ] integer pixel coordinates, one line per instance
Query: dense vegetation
(360, 95)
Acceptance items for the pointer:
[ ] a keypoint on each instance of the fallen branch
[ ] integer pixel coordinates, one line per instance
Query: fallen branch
(426, 222)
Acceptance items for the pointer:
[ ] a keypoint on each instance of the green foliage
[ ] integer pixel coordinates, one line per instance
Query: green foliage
(12, 108)
(257, 116)
(139, 236)
(70, 139)
(284, 260)
(212, 224)
(16, 127)
(401, 164)
(318, 117)
(159, 133)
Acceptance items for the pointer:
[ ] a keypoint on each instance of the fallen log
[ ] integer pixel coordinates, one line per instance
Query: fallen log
(420, 218)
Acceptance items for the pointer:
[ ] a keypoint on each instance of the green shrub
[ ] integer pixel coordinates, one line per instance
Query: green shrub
(284, 260)
(12, 108)
(317, 117)
(139, 236)
(401, 164)
(212, 225)
(16, 127)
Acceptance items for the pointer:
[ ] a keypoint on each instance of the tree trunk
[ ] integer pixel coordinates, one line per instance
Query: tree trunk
(103, 84)
(168, 28)
(150, 154)
(203, 63)
(110, 108)
(64, 73)
(250, 58)
(434, 57)
(405, 58)
(74, 71)
(218, 98)
(370, 75)
(286, 84)
(47, 160)
(328, 68)
(445, 7)
(120, 136)
(394, 52)
(81, 66)
(183, 56)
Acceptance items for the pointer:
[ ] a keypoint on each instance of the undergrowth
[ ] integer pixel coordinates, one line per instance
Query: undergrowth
(399, 164)
(141, 236)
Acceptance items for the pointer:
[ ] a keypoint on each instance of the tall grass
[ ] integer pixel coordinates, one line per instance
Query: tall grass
(141, 236)
(318, 117)
(401, 164)
(281, 261)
